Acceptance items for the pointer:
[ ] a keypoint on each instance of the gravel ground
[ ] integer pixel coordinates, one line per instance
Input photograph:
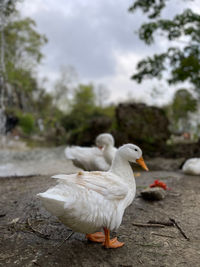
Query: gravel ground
(30, 236)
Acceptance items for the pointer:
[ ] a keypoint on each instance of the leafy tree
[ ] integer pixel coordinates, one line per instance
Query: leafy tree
(102, 94)
(82, 107)
(183, 105)
(26, 121)
(64, 87)
(20, 51)
(6, 8)
(21, 57)
(183, 62)
(84, 99)
(23, 43)
(84, 113)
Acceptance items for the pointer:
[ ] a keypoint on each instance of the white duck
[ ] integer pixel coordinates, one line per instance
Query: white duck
(192, 166)
(93, 158)
(89, 201)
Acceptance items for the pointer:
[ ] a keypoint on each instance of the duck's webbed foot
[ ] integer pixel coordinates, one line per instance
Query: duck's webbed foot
(98, 237)
(111, 243)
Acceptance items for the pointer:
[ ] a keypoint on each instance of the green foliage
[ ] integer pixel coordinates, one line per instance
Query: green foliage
(63, 87)
(84, 99)
(183, 103)
(182, 63)
(185, 24)
(84, 111)
(26, 122)
(154, 7)
(22, 54)
(23, 43)
(108, 111)
(150, 67)
(9, 7)
(42, 103)
(82, 107)
(179, 111)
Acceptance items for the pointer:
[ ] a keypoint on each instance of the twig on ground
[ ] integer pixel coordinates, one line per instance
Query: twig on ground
(169, 223)
(67, 238)
(148, 225)
(60, 245)
(38, 233)
(179, 228)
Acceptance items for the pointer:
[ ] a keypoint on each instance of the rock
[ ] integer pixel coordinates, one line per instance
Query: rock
(142, 125)
(155, 193)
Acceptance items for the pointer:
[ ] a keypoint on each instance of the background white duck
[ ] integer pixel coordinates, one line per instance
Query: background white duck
(106, 142)
(93, 158)
(89, 201)
(192, 166)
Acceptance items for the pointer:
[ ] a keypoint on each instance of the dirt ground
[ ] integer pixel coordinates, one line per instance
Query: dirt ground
(30, 236)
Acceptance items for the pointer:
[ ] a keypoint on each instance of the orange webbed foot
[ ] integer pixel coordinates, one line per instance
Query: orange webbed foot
(98, 237)
(113, 243)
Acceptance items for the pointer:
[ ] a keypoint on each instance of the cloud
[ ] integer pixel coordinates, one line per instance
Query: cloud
(96, 37)
(84, 33)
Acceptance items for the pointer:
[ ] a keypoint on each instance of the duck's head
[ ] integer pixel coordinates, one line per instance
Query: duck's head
(104, 140)
(132, 153)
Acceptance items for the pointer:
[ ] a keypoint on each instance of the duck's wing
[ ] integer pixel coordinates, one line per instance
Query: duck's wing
(88, 158)
(104, 183)
(100, 164)
(73, 152)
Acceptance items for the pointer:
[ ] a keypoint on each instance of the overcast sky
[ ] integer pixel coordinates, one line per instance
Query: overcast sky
(98, 39)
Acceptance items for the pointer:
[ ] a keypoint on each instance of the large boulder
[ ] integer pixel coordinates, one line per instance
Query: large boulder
(141, 124)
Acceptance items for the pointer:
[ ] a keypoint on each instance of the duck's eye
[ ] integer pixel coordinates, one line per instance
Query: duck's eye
(135, 149)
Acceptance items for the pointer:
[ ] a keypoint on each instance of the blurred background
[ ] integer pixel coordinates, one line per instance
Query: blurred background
(70, 70)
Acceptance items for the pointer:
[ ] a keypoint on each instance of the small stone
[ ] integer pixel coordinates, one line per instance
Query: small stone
(154, 193)
(14, 221)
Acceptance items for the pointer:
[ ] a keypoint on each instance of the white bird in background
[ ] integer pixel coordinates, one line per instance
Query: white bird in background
(106, 142)
(93, 158)
(192, 166)
(90, 201)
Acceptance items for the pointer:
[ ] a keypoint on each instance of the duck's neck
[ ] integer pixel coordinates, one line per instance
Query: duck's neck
(107, 153)
(122, 168)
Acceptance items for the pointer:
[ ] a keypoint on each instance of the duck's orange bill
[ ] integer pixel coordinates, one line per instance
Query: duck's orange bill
(141, 162)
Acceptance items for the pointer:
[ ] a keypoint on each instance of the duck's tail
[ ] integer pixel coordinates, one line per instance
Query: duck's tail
(54, 203)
